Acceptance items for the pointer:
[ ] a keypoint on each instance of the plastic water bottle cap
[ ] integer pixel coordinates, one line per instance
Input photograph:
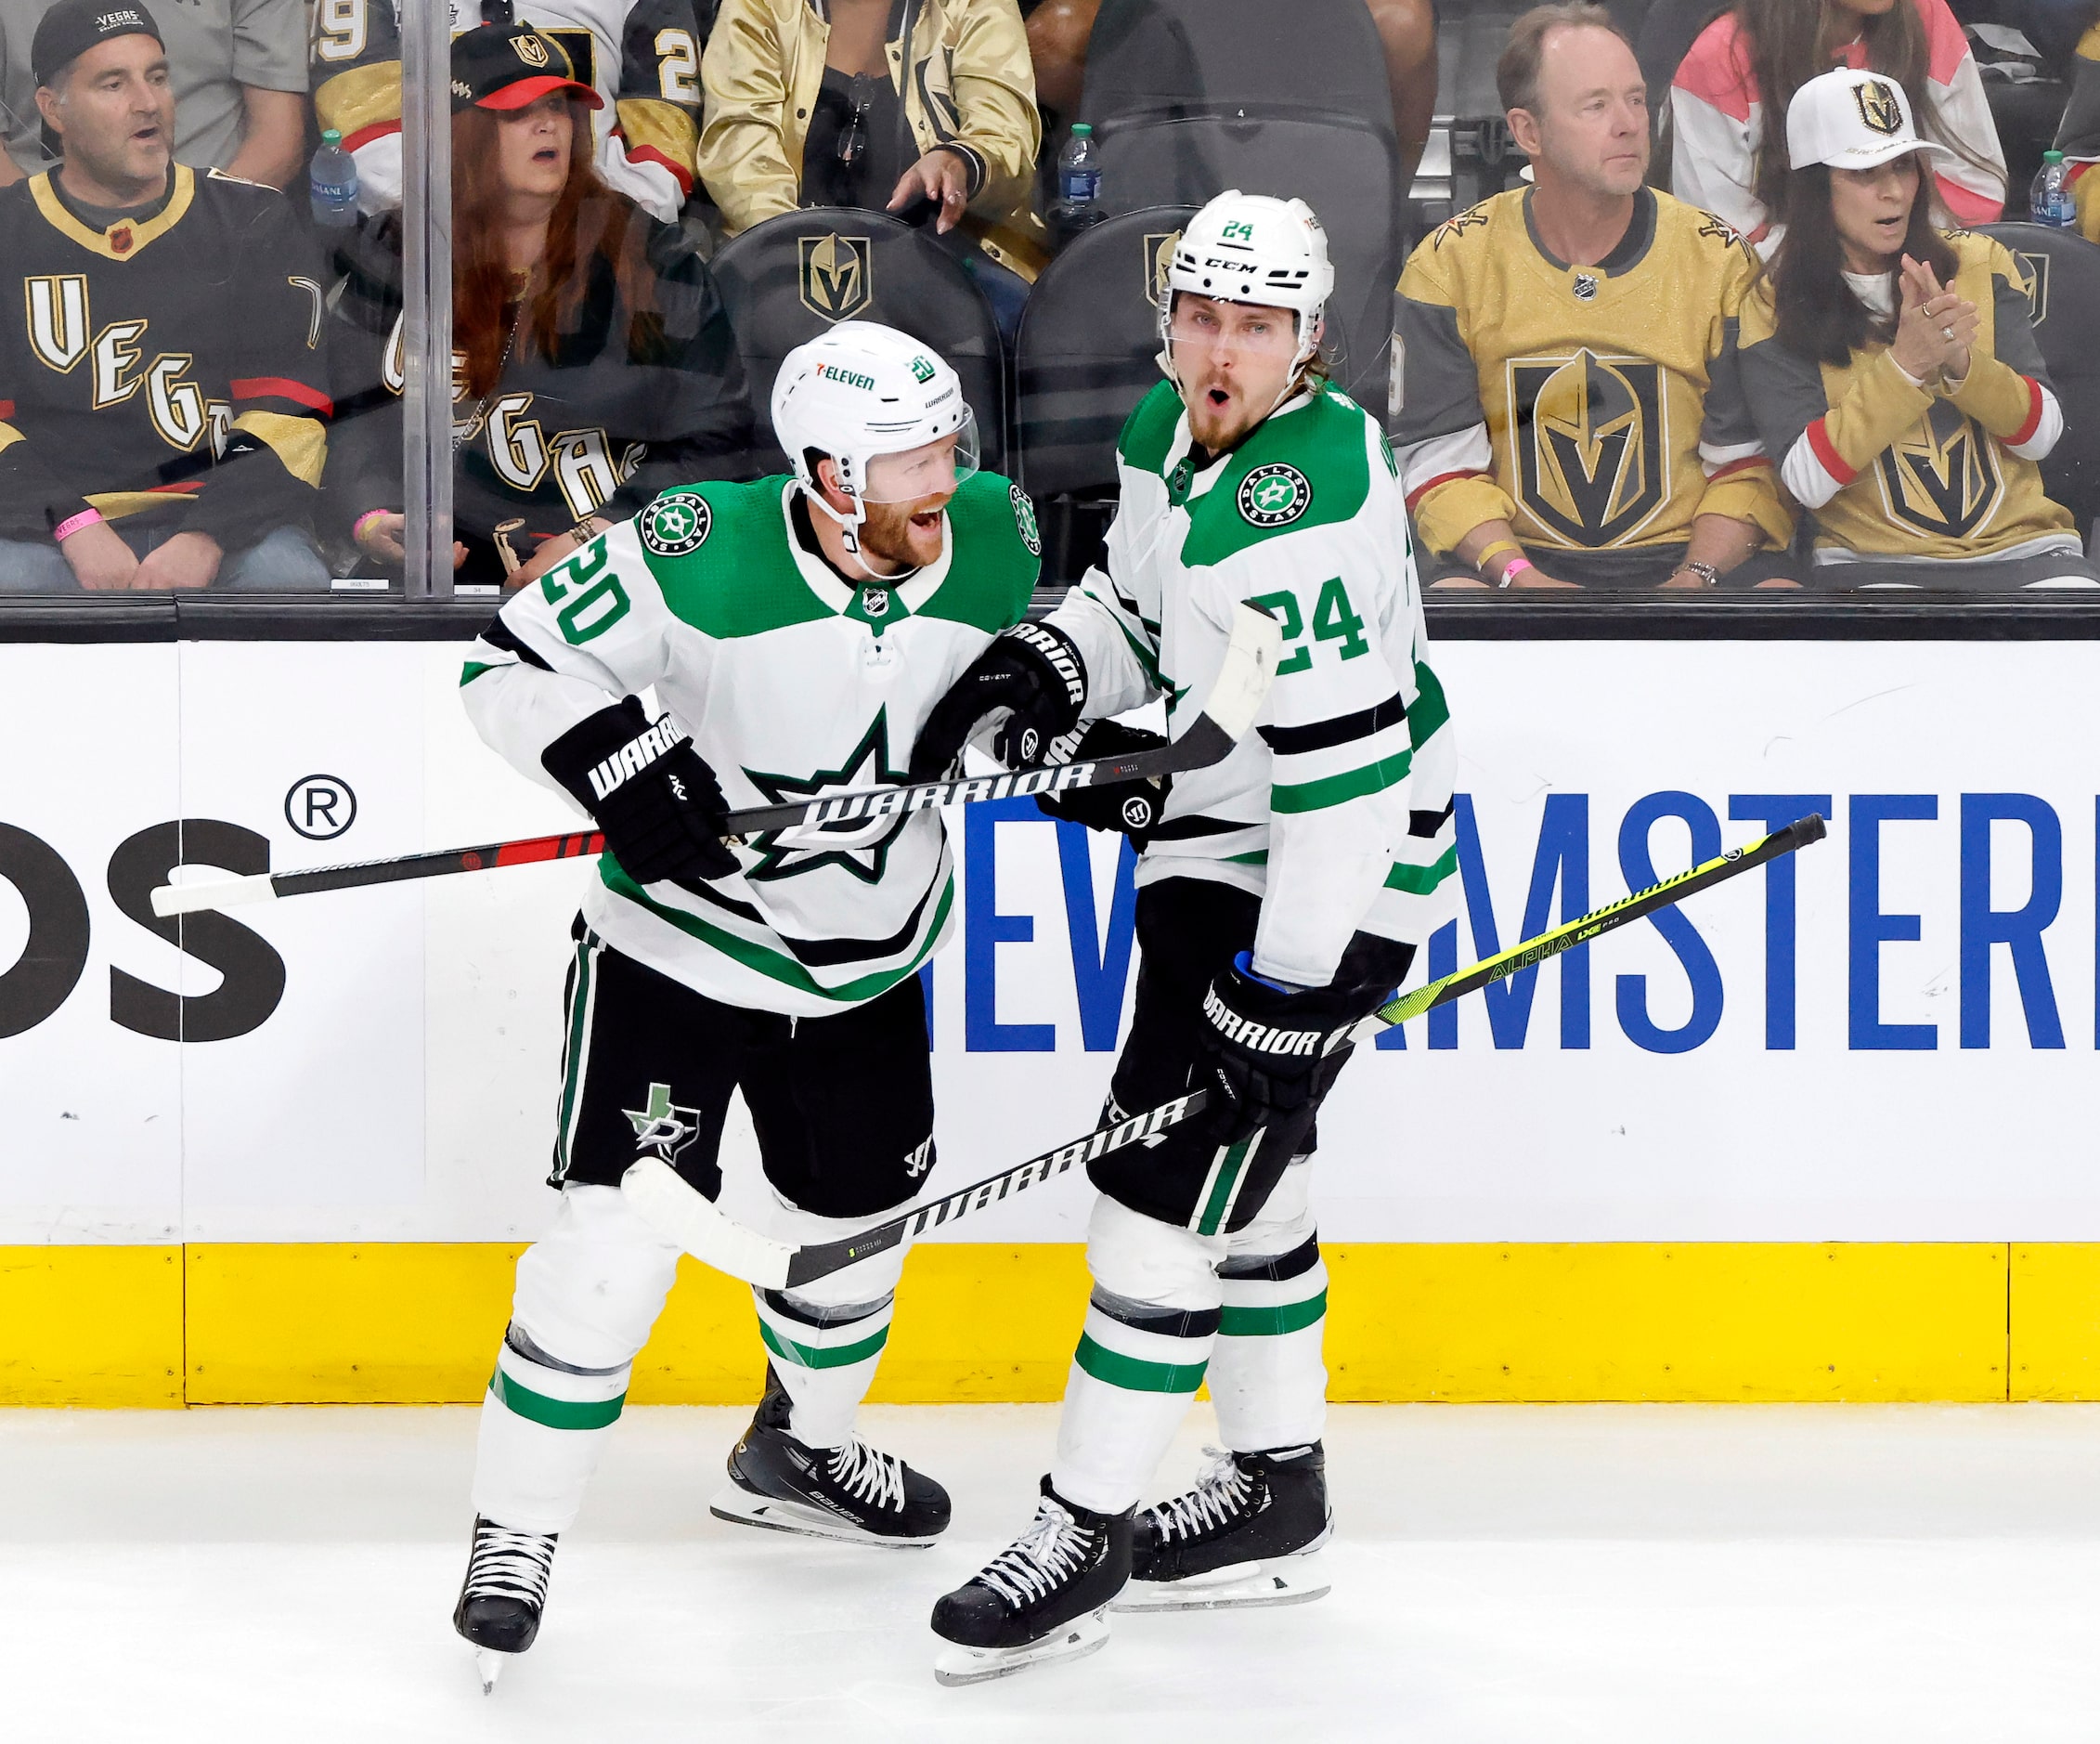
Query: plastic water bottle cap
(2047, 157)
(331, 138)
(1084, 130)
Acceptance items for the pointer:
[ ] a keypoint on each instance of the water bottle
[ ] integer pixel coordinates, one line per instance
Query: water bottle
(332, 185)
(1079, 185)
(2051, 201)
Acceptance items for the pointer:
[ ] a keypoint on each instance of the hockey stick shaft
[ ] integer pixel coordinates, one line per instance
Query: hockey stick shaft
(1228, 712)
(806, 1264)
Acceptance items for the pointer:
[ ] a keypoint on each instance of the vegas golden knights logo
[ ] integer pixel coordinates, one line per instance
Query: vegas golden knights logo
(1592, 444)
(1158, 260)
(532, 50)
(1880, 107)
(2036, 285)
(1942, 477)
(837, 275)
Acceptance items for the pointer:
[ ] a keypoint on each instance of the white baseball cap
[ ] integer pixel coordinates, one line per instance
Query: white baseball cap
(1851, 119)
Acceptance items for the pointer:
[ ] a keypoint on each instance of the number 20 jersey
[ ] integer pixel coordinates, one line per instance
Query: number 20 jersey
(1336, 809)
(792, 683)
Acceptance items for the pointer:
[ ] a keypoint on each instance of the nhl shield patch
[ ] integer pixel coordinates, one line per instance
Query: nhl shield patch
(1275, 495)
(675, 524)
(1024, 520)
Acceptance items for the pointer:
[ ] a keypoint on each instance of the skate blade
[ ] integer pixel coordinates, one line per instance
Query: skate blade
(1241, 1586)
(489, 1664)
(739, 1507)
(956, 1665)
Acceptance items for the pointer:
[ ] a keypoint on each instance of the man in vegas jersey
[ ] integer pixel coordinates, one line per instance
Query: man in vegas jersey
(1282, 897)
(641, 57)
(162, 384)
(797, 631)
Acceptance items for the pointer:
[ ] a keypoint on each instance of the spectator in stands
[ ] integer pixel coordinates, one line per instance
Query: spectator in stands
(1749, 62)
(1569, 411)
(164, 382)
(1891, 367)
(2079, 135)
(641, 57)
(593, 364)
(815, 103)
(239, 72)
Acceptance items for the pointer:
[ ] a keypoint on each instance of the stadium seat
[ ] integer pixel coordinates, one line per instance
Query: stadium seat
(1667, 31)
(792, 278)
(1083, 358)
(2066, 273)
(1200, 57)
(1347, 172)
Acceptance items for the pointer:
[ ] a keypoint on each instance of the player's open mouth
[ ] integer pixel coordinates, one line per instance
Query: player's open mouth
(926, 520)
(1218, 396)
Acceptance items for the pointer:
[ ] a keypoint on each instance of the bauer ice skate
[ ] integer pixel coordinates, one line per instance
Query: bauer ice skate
(850, 1492)
(1042, 1598)
(503, 1595)
(1248, 1533)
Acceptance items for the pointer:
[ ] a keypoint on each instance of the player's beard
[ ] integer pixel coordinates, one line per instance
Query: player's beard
(906, 533)
(1218, 427)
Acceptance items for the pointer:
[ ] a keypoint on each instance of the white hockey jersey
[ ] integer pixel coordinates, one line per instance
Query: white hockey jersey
(792, 683)
(1337, 808)
(643, 57)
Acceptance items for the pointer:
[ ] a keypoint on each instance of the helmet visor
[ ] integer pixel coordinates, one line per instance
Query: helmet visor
(933, 469)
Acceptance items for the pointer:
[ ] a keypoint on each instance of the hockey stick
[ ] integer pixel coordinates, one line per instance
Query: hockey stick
(1228, 712)
(696, 1225)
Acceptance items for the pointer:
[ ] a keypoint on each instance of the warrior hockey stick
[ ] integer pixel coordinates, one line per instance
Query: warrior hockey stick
(1242, 684)
(693, 1221)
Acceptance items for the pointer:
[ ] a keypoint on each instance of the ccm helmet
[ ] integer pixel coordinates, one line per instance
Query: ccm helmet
(1253, 247)
(860, 392)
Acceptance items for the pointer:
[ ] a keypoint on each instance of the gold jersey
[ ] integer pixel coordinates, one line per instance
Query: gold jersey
(1593, 408)
(1893, 469)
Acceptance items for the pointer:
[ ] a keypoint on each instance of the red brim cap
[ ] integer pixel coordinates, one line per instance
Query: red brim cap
(527, 92)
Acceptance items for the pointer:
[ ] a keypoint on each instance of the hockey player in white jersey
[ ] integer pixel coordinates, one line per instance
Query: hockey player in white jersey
(797, 631)
(1281, 896)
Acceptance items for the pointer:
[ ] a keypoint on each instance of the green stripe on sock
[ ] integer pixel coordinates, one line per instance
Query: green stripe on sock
(1135, 1375)
(1271, 1322)
(820, 1356)
(556, 1413)
(1418, 881)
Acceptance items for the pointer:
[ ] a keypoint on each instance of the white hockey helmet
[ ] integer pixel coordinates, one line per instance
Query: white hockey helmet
(860, 392)
(1253, 247)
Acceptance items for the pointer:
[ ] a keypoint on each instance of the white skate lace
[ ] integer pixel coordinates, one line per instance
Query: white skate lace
(868, 1475)
(1053, 1548)
(1220, 1492)
(509, 1565)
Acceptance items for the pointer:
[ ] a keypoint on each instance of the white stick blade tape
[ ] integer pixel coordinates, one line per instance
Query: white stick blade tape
(1247, 672)
(189, 899)
(681, 1215)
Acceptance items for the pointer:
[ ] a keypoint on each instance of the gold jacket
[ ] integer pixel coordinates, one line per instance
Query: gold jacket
(971, 87)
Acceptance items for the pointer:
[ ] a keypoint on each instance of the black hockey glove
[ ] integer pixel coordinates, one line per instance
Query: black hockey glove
(659, 805)
(1033, 675)
(1130, 808)
(1267, 1054)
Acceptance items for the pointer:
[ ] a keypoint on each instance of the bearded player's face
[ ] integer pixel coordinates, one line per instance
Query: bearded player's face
(1233, 361)
(114, 113)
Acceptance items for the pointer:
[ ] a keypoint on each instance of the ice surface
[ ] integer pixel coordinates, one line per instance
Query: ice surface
(1703, 1575)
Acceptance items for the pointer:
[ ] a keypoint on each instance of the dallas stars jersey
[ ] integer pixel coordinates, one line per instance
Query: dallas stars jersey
(643, 57)
(1337, 808)
(166, 363)
(792, 683)
(1592, 407)
(1895, 470)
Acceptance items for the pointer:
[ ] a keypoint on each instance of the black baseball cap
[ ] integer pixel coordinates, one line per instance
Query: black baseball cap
(509, 66)
(72, 26)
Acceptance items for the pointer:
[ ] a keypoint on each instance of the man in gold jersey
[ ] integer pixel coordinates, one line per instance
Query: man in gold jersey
(1565, 407)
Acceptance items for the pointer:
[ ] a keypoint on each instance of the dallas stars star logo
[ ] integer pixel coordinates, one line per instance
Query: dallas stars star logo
(664, 1126)
(866, 765)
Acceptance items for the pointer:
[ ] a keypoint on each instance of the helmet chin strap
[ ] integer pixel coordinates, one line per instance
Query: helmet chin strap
(850, 528)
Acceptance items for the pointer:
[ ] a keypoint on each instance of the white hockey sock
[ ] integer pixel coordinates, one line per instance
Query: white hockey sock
(825, 1358)
(1268, 1378)
(1136, 1371)
(543, 1425)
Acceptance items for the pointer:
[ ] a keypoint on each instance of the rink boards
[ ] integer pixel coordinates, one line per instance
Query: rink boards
(1822, 1134)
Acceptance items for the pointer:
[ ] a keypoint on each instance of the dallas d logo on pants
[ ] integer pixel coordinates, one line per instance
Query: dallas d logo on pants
(1592, 441)
(663, 1127)
(837, 275)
